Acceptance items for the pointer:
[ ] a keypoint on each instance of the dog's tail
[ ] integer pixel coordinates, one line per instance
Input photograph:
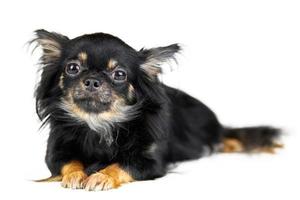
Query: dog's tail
(50, 179)
(251, 139)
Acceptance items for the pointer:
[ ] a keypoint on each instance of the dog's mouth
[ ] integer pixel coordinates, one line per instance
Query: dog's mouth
(93, 102)
(92, 105)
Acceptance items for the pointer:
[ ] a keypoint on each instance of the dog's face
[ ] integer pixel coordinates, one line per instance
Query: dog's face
(97, 79)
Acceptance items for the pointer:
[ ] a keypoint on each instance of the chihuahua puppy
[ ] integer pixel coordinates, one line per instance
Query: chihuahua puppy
(112, 121)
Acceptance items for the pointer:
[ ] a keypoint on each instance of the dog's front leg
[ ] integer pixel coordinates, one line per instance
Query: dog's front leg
(108, 178)
(130, 168)
(73, 175)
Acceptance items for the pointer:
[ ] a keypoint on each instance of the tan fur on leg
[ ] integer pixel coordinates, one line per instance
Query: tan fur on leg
(232, 145)
(73, 175)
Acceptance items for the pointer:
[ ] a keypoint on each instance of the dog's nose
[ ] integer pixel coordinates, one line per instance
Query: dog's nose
(91, 84)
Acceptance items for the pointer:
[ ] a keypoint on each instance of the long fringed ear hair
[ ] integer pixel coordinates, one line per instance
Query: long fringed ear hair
(47, 90)
(155, 57)
(150, 68)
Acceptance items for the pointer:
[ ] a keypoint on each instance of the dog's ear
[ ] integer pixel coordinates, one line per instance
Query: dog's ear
(51, 44)
(155, 57)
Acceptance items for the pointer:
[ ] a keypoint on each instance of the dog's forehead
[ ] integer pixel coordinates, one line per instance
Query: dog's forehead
(99, 48)
(102, 51)
(100, 42)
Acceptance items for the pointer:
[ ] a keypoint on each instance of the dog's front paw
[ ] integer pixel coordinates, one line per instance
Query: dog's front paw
(73, 180)
(100, 181)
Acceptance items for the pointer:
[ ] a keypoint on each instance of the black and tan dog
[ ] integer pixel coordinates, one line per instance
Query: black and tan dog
(112, 121)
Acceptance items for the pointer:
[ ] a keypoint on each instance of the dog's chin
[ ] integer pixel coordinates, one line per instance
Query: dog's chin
(90, 105)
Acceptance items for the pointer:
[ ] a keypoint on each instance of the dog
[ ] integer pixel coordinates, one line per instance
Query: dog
(112, 121)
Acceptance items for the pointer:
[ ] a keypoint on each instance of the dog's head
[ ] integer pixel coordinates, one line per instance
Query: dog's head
(96, 79)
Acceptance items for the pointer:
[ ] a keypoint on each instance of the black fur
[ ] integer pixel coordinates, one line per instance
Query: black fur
(169, 125)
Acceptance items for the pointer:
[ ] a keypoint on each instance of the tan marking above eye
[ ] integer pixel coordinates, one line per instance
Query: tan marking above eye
(111, 64)
(82, 56)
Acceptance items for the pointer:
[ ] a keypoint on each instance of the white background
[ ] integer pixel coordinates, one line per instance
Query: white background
(241, 58)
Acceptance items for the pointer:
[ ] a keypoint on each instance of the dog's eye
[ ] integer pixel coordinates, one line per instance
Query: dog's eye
(72, 69)
(119, 75)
